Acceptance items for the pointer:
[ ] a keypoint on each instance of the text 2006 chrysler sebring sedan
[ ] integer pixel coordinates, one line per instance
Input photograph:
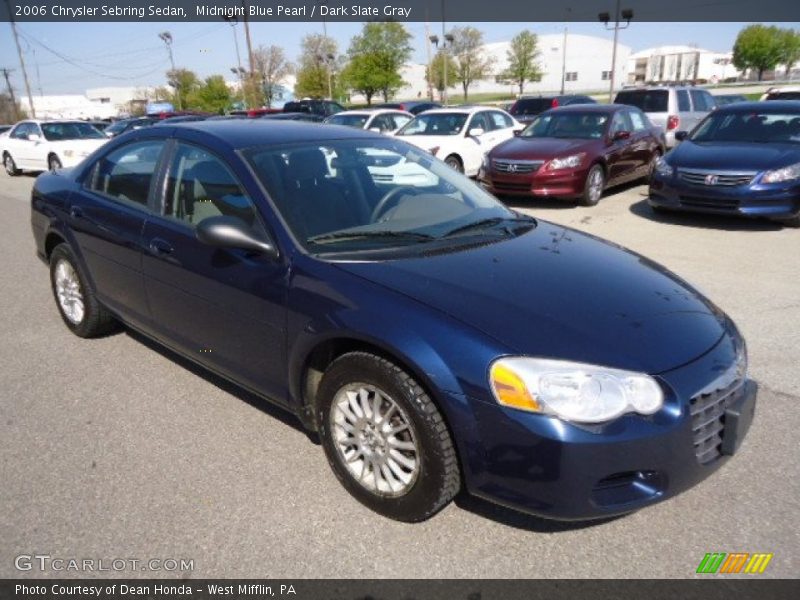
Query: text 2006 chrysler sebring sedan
(434, 338)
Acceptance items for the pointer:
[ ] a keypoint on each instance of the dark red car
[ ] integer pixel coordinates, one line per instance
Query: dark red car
(575, 152)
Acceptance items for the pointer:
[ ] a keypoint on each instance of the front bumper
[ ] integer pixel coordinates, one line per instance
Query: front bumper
(566, 183)
(774, 201)
(551, 468)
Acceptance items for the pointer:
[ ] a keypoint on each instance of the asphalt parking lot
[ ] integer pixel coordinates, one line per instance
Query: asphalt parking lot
(113, 448)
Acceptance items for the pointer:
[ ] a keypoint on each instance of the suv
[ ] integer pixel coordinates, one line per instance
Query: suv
(525, 109)
(671, 107)
(324, 108)
(783, 93)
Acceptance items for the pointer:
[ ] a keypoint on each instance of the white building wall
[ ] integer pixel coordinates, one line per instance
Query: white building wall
(679, 63)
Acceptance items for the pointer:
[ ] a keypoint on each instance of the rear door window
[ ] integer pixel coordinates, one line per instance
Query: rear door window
(701, 103)
(683, 101)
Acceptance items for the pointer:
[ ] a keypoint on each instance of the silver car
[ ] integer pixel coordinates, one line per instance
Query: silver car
(673, 108)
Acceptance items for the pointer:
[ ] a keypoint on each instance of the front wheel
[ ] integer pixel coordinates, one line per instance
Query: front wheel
(593, 188)
(53, 163)
(10, 165)
(76, 302)
(385, 439)
(454, 163)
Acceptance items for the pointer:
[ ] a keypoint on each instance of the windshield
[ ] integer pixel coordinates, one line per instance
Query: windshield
(57, 132)
(357, 121)
(750, 126)
(117, 127)
(363, 194)
(569, 125)
(435, 124)
(646, 100)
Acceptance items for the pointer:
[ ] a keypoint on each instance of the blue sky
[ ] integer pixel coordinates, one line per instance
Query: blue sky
(130, 54)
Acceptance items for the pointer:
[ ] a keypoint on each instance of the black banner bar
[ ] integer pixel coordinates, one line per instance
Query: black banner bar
(399, 10)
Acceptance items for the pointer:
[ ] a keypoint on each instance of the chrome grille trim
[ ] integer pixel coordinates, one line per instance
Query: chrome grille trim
(520, 167)
(712, 178)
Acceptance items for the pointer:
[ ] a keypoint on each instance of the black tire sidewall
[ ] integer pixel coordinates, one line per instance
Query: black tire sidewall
(53, 163)
(454, 163)
(423, 499)
(13, 170)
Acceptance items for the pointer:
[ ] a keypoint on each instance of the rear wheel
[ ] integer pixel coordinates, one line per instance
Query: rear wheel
(10, 165)
(454, 162)
(76, 302)
(53, 162)
(385, 439)
(593, 188)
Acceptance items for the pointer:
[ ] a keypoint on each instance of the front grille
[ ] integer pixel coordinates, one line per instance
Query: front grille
(715, 178)
(520, 167)
(509, 186)
(705, 202)
(708, 420)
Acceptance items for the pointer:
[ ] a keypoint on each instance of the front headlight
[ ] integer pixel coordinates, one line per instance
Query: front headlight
(573, 391)
(663, 168)
(785, 174)
(566, 162)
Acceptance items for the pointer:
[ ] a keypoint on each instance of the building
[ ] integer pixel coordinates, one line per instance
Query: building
(72, 106)
(586, 66)
(680, 63)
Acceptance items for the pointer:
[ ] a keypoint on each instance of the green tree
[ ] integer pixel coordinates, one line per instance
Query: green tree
(183, 83)
(272, 67)
(789, 42)
(471, 60)
(435, 72)
(376, 56)
(318, 60)
(522, 60)
(757, 47)
(213, 95)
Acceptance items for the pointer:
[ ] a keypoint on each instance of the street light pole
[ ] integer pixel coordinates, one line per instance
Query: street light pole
(166, 37)
(627, 15)
(564, 61)
(233, 22)
(326, 54)
(21, 60)
(444, 59)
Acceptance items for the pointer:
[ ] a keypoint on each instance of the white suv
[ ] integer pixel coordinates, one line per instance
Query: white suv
(462, 135)
(48, 145)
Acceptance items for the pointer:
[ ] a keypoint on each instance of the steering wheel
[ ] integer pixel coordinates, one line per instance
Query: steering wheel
(394, 194)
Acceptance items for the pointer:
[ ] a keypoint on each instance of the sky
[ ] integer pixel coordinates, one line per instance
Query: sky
(91, 55)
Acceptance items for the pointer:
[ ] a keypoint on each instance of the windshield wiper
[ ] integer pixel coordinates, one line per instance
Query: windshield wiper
(338, 236)
(487, 223)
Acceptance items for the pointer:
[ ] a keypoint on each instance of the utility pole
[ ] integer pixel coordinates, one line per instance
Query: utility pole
(444, 60)
(7, 75)
(166, 37)
(564, 61)
(233, 21)
(429, 75)
(325, 53)
(627, 15)
(21, 60)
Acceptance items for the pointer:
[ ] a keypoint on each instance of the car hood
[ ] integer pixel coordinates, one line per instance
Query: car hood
(558, 293)
(541, 148)
(733, 156)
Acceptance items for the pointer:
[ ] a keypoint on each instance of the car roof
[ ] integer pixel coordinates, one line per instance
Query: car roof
(370, 111)
(260, 132)
(467, 110)
(595, 108)
(787, 88)
(776, 106)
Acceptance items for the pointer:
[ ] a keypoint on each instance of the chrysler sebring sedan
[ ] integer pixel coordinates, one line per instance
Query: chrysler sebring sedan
(743, 159)
(575, 152)
(435, 339)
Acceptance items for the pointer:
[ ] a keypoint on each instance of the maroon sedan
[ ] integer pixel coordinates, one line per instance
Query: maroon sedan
(575, 152)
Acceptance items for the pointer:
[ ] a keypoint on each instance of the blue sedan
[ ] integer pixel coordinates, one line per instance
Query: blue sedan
(435, 340)
(742, 159)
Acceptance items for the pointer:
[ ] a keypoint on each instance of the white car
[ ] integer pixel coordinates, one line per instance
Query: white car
(460, 136)
(789, 92)
(379, 120)
(48, 145)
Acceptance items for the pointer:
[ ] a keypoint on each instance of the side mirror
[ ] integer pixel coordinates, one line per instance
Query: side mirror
(232, 232)
(621, 135)
(34, 137)
(475, 132)
(681, 135)
(517, 132)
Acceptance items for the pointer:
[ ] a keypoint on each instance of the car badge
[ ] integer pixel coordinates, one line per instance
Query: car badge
(512, 168)
(712, 179)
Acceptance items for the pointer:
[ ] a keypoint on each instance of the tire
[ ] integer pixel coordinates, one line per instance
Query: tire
(432, 480)
(53, 162)
(10, 165)
(76, 302)
(651, 166)
(454, 162)
(594, 186)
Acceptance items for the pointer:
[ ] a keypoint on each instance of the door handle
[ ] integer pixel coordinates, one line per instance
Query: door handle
(76, 212)
(160, 247)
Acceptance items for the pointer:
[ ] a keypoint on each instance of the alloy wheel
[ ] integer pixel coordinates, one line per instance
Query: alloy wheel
(68, 291)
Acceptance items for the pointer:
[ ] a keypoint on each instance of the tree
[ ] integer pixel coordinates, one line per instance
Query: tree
(318, 61)
(376, 57)
(472, 63)
(10, 112)
(522, 63)
(272, 67)
(212, 96)
(789, 42)
(183, 82)
(757, 47)
(435, 73)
